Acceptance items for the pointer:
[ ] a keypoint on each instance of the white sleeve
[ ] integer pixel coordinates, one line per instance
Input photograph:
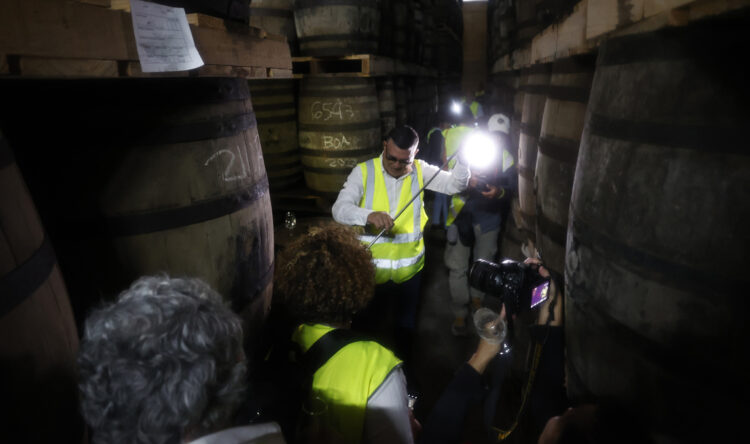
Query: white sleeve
(346, 209)
(387, 413)
(446, 182)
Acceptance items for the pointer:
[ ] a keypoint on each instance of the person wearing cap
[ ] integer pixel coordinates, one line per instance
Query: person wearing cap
(373, 194)
(474, 219)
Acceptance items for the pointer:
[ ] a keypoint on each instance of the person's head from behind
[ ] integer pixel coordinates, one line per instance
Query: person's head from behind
(399, 150)
(164, 363)
(325, 277)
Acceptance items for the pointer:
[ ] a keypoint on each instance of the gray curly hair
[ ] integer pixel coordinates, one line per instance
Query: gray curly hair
(164, 361)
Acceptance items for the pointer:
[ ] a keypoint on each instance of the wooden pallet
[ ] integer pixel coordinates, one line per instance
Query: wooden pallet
(593, 21)
(358, 65)
(87, 38)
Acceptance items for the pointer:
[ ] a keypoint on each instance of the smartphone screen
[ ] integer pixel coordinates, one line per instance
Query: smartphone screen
(539, 294)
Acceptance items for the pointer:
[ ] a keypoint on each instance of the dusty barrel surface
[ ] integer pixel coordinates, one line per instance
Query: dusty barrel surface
(276, 17)
(339, 126)
(38, 338)
(276, 113)
(560, 136)
(656, 278)
(337, 27)
(534, 88)
(387, 105)
(162, 175)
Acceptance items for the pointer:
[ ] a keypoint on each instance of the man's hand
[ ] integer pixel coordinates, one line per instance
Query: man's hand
(380, 220)
(491, 192)
(554, 299)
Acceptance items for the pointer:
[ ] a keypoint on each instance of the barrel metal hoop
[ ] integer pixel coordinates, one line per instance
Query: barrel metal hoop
(271, 12)
(276, 119)
(553, 230)
(565, 93)
(526, 172)
(274, 107)
(540, 90)
(6, 154)
(134, 224)
(308, 92)
(274, 88)
(306, 4)
(330, 171)
(716, 140)
(531, 129)
(562, 150)
(651, 267)
(354, 37)
(338, 153)
(318, 128)
(212, 129)
(23, 281)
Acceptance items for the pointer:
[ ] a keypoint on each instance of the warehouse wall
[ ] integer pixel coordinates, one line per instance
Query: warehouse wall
(475, 46)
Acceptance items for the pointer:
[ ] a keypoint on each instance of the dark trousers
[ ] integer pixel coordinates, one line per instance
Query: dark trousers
(391, 316)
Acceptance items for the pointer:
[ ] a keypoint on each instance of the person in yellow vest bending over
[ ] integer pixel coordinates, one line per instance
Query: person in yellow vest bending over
(474, 218)
(374, 192)
(360, 394)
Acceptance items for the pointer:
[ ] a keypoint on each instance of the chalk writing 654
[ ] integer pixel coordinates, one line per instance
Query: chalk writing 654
(331, 110)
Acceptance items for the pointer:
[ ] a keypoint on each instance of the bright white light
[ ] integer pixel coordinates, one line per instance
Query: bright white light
(456, 108)
(480, 150)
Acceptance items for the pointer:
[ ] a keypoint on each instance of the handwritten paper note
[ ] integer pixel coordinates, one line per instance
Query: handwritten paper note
(163, 38)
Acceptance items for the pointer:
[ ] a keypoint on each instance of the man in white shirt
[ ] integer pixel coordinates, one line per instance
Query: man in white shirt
(374, 193)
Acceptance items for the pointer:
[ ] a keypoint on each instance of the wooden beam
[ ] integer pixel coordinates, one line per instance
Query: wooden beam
(50, 67)
(605, 16)
(61, 29)
(65, 29)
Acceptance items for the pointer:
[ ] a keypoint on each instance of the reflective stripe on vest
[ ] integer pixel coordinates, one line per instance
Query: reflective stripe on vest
(457, 204)
(347, 380)
(399, 255)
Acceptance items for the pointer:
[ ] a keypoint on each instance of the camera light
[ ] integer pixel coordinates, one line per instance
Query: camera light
(480, 150)
(456, 108)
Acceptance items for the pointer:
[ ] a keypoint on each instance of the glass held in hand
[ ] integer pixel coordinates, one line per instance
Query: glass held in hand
(490, 326)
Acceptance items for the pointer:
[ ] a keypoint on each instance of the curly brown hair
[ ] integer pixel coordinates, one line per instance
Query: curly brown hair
(325, 276)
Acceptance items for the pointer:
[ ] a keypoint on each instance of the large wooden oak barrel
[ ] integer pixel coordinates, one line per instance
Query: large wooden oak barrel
(157, 175)
(337, 27)
(534, 88)
(562, 125)
(656, 268)
(423, 105)
(387, 105)
(276, 113)
(400, 31)
(339, 126)
(276, 17)
(38, 338)
(401, 91)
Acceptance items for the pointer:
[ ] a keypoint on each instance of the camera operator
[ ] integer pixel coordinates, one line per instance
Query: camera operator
(552, 420)
(474, 220)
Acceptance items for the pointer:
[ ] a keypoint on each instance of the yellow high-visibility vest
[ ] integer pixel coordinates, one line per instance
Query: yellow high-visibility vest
(347, 380)
(399, 255)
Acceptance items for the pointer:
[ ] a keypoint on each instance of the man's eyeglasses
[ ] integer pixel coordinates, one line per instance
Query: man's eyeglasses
(401, 161)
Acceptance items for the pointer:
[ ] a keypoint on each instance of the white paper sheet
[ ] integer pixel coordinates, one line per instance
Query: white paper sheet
(163, 38)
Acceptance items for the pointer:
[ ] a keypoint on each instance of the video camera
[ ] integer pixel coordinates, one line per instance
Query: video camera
(519, 286)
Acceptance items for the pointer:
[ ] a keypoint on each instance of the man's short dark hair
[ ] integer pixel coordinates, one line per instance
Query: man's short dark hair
(404, 137)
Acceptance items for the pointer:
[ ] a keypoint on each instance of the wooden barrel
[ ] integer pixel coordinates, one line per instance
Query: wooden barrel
(339, 126)
(385, 42)
(402, 101)
(428, 42)
(501, 93)
(165, 175)
(275, 17)
(423, 105)
(562, 125)
(337, 27)
(387, 105)
(276, 113)
(527, 21)
(656, 269)
(515, 121)
(416, 32)
(534, 88)
(400, 29)
(38, 338)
